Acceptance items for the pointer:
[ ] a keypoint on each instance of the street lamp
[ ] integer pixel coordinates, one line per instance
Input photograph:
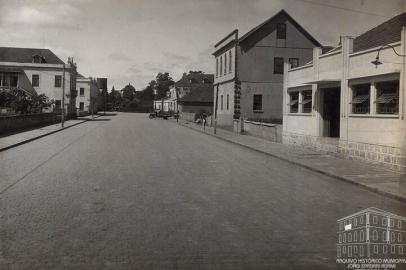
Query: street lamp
(376, 62)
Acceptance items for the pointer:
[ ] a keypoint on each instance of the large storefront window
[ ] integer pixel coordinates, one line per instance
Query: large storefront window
(361, 99)
(307, 101)
(294, 102)
(387, 97)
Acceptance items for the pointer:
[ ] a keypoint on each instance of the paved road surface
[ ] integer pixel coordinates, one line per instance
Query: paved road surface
(126, 192)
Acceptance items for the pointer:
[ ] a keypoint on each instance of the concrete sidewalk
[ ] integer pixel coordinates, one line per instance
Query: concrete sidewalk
(17, 139)
(371, 177)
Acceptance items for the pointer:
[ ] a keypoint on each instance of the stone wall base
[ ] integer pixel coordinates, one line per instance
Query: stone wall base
(390, 157)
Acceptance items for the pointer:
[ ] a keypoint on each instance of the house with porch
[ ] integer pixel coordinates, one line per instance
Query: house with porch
(249, 69)
(351, 99)
(39, 71)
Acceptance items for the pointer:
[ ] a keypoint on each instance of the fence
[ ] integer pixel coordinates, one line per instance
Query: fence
(20, 122)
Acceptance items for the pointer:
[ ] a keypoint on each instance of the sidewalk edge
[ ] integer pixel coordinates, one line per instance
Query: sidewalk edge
(339, 177)
(41, 136)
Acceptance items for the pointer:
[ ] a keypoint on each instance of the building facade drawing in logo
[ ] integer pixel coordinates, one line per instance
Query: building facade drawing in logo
(371, 233)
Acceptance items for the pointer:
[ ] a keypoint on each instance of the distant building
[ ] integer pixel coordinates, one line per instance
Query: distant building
(194, 82)
(39, 71)
(88, 92)
(198, 101)
(342, 103)
(371, 233)
(249, 69)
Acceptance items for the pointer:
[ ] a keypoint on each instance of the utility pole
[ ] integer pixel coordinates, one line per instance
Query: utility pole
(63, 98)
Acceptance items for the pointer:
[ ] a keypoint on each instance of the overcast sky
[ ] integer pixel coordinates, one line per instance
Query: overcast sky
(130, 41)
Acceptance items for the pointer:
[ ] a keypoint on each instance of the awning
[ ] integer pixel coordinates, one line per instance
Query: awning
(25, 84)
(329, 81)
(359, 99)
(306, 101)
(386, 98)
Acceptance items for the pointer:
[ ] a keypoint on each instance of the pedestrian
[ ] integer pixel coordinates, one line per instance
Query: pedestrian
(204, 121)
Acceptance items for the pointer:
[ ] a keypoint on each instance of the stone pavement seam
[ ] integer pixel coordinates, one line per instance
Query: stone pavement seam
(42, 135)
(339, 177)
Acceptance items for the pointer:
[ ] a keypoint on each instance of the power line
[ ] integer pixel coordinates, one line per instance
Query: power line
(343, 8)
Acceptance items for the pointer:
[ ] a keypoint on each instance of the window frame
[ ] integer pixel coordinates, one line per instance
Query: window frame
(278, 66)
(228, 102)
(295, 103)
(379, 95)
(37, 80)
(304, 108)
(360, 100)
(80, 91)
(58, 81)
(281, 32)
(257, 103)
(230, 56)
(290, 62)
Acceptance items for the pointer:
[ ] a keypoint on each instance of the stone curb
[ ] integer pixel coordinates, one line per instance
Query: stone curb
(43, 135)
(339, 177)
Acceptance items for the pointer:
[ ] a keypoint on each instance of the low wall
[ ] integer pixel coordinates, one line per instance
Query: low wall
(21, 122)
(270, 132)
(387, 156)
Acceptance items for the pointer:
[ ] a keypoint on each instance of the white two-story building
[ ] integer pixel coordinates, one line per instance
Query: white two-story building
(341, 102)
(39, 71)
(88, 92)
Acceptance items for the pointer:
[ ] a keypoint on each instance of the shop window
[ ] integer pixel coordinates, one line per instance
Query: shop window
(307, 101)
(257, 103)
(360, 99)
(387, 97)
(294, 101)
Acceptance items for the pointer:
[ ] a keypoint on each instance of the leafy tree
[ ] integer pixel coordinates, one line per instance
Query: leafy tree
(129, 92)
(163, 82)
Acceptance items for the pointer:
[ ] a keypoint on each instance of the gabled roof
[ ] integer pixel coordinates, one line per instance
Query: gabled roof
(202, 93)
(387, 32)
(198, 77)
(280, 13)
(25, 55)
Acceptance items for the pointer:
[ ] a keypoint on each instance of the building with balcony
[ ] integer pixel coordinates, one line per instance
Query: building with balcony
(88, 93)
(371, 233)
(342, 103)
(249, 69)
(39, 71)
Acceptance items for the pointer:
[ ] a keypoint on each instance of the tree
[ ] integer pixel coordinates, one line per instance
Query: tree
(129, 92)
(163, 82)
(115, 98)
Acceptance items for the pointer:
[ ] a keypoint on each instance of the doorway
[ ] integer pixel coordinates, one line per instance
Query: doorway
(331, 112)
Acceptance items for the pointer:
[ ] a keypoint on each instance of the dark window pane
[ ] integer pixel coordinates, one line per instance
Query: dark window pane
(278, 65)
(281, 31)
